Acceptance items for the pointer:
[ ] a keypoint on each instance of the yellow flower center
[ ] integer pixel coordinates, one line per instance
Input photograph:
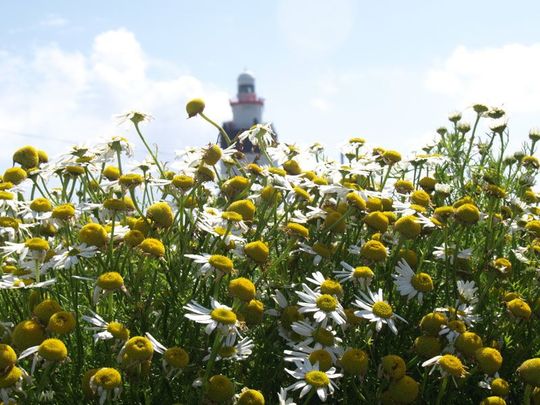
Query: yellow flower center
(355, 362)
(37, 244)
(327, 303)
(452, 365)
(408, 226)
(322, 357)
(393, 366)
(118, 330)
(297, 229)
(110, 281)
(130, 180)
(10, 378)
(231, 216)
(161, 214)
(331, 287)
(53, 350)
(251, 397)
(64, 211)
(227, 351)
(26, 334)
(183, 182)
(519, 308)
(301, 193)
(405, 390)
(61, 322)
(212, 155)
(107, 378)
(176, 357)
(8, 222)
(153, 247)
(382, 309)
(235, 185)
(324, 337)
(317, 379)
(27, 156)
(489, 360)
(322, 249)
(221, 263)
(467, 343)
(41, 205)
(220, 388)
(224, 316)
(15, 175)
(6, 195)
(242, 288)
(138, 348)
(7, 357)
(529, 372)
(289, 315)
(257, 251)
(246, 208)
(362, 272)
(422, 282)
(93, 234)
(374, 250)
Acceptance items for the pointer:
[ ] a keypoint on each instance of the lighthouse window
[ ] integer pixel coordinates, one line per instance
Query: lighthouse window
(246, 88)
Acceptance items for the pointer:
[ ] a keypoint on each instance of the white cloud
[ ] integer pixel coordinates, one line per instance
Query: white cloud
(504, 75)
(69, 97)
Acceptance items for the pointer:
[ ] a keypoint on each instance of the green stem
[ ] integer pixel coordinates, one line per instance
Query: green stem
(154, 157)
(527, 395)
(219, 128)
(442, 390)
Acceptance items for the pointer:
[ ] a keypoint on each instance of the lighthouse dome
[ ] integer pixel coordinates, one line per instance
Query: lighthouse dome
(246, 77)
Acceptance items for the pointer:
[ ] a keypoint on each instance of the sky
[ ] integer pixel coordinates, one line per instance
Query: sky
(388, 71)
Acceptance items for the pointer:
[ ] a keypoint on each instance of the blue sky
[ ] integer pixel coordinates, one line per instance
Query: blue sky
(388, 71)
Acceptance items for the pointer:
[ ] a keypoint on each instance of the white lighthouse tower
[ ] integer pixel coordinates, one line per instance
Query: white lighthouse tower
(247, 111)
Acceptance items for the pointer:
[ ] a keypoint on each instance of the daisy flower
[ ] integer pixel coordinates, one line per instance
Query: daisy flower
(361, 275)
(106, 284)
(325, 285)
(261, 135)
(106, 330)
(287, 314)
(12, 382)
(447, 364)
(467, 291)
(71, 256)
(317, 251)
(175, 359)
(462, 312)
(324, 307)
(318, 336)
(443, 251)
(324, 358)
(410, 283)
(106, 383)
(311, 378)
(133, 116)
(12, 282)
(212, 263)
(50, 351)
(282, 398)
(220, 317)
(233, 352)
(375, 309)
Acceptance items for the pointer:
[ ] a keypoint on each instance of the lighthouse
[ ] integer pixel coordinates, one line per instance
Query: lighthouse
(247, 111)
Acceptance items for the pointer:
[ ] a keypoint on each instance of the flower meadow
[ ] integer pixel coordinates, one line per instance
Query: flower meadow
(290, 279)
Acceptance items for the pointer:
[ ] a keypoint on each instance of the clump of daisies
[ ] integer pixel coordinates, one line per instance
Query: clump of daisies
(250, 270)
